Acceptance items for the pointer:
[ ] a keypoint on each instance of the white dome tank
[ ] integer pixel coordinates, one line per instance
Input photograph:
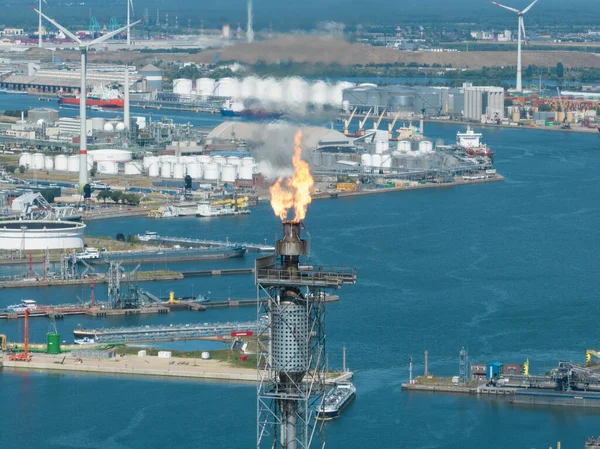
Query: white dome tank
(178, 170)
(73, 163)
(319, 93)
(386, 160)
(194, 169)
(425, 146)
(108, 127)
(249, 87)
(211, 172)
(205, 87)
(296, 90)
(37, 161)
(182, 86)
(248, 161)
(376, 160)
(134, 168)
(120, 126)
(108, 168)
(229, 173)
(148, 161)
(165, 169)
(404, 146)
(61, 162)
(234, 160)
(25, 160)
(49, 163)
(227, 87)
(246, 172)
(154, 170)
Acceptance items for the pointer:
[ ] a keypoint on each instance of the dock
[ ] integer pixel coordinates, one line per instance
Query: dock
(259, 247)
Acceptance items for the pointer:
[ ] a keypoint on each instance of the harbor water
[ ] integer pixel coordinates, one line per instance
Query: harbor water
(507, 269)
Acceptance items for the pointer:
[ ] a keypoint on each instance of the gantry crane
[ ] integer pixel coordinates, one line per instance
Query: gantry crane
(347, 122)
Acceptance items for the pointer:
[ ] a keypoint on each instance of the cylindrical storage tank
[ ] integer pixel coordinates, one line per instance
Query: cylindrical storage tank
(205, 87)
(229, 173)
(182, 86)
(386, 160)
(120, 126)
(61, 162)
(289, 352)
(219, 160)
(73, 163)
(245, 172)
(108, 168)
(38, 161)
(134, 168)
(319, 93)
(49, 163)
(249, 87)
(376, 160)
(379, 147)
(365, 160)
(296, 91)
(108, 127)
(148, 161)
(234, 160)
(25, 160)
(194, 169)
(404, 146)
(154, 170)
(425, 146)
(227, 87)
(178, 170)
(211, 172)
(165, 169)
(203, 159)
(97, 123)
(336, 93)
(53, 343)
(248, 161)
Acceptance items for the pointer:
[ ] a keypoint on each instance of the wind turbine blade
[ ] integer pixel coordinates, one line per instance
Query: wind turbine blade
(111, 34)
(133, 13)
(506, 7)
(60, 27)
(529, 7)
(523, 30)
(45, 2)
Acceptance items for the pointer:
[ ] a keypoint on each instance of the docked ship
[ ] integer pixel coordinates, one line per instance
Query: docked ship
(99, 97)
(208, 209)
(232, 108)
(470, 144)
(168, 255)
(26, 304)
(335, 401)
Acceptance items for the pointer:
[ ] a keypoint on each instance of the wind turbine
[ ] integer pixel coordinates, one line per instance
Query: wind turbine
(83, 47)
(521, 29)
(40, 24)
(129, 6)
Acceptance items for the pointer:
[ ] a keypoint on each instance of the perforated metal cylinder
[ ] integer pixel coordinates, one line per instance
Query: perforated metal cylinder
(290, 338)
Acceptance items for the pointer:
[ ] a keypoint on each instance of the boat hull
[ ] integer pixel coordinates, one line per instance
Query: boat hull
(74, 101)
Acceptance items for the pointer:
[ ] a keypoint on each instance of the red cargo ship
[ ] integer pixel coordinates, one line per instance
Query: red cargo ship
(105, 98)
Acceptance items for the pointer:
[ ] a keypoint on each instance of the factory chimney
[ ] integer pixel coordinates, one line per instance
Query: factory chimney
(250, 30)
(126, 95)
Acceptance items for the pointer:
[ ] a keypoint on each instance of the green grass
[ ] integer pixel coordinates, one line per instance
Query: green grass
(222, 355)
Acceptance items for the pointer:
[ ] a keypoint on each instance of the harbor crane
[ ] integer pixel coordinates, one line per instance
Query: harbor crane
(565, 124)
(347, 122)
(378, 122)
(361, 124)
(391, 126)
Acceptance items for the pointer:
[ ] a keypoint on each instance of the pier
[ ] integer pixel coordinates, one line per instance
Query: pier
(249, 246)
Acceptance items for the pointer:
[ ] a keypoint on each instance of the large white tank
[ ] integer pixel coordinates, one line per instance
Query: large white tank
(134, 168)
(203, 159)
(108, 127)
(49, 163)
(73, 163)
(219, 160)
(108, 168)
(149, 160)
(98, 123)
(120, 126)
(234, 160)
(110, 155)
(365, 160)
(336, 93)
(154, 170)
(248, 161)
(404, 146)
(275, 93)
(229, 173)
(386, 160)
(249, 87)
(245, 172)
(205, 87)
(227, 87)
(376, 160)
(60, 162)
(178, 170)
(319, 93)
(37, 161)
(211, 172)
(425, 146)
(194, 169)
(381, 146)
(295, 90)
(25, 160)
(165, 169)
(182, 86)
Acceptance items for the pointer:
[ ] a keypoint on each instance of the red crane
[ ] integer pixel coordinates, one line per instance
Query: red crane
(25, 356)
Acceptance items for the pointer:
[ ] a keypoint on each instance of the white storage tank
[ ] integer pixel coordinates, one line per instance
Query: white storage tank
(178, 170)
(182, 86)
(404, 146)
(148, 161)
(98, 123)
(248, 161)
(49, 163)
(108, 168)
(219, 160)
(154, 170)
(61, 162)
(205, 87)
(296, 90)
(425, 146)
(203, 159)
(246, 172)
(229, 173)
(73, 163)
(275, 93)
(319, 93)
(227, 87)
(386, 160)
(25, 160)
(381, 146)
(134, 168)
(249, 87)
(194, 169)
(234, 160)
(165, 169)
(120, 126)
(376, 160)
(37, 161)
(365, 160)
(108, 127)
(336, 93)
(211, 172)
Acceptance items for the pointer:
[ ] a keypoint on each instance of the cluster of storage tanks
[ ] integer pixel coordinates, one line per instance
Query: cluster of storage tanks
(382, 157)
(107, 161)
(204, 167)
(292, 90)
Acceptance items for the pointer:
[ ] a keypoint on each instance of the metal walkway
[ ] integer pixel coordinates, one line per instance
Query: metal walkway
(250, 246)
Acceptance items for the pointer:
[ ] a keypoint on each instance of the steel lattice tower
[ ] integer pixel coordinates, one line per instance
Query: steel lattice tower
(291, 360)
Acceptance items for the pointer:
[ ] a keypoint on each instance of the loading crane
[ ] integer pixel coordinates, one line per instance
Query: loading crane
(565, 124)
(361, 127)
(391, 126)
(347, 122)
(25, 357)
(378, 122)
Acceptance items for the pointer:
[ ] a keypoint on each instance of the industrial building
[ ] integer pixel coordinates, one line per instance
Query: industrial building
(153, 76)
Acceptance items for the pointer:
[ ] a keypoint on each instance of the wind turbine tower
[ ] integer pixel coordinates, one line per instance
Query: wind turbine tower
(521, 36)
(83, 47)
(129, 12)
(250, 30)
(40, 24)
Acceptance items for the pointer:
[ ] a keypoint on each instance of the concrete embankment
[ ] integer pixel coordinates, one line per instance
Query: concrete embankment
(143, 276)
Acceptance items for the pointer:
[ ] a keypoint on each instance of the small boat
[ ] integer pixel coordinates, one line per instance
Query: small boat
(336, 400)
(148, 236)
(26, 304)
(206, 209)
(84, 341)
(201, 299)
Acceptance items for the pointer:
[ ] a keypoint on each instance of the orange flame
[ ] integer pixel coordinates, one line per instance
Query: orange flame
(293, 192)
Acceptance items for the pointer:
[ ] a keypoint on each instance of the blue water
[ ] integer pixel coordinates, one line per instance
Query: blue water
(507, 269)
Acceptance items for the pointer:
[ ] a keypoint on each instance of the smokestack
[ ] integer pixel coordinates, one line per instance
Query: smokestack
(126, 94)
(250, 30)
(426, 371)
(83, 170)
